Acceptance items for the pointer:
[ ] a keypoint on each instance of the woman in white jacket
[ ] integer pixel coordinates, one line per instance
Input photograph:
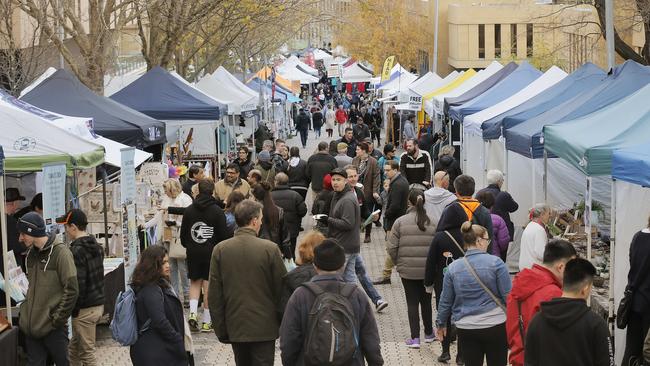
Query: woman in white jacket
(534, 237)
(330, 120)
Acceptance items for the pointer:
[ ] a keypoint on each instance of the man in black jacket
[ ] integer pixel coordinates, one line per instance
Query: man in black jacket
(348, 138)
(302, 126)
(194, 174)
(89, 260)
(396, 205)
(293, 206)
(360, 131)
(415, 165)
(318, 165)
(329, 259)
(203, 227)
(566, 331)
(504, 204)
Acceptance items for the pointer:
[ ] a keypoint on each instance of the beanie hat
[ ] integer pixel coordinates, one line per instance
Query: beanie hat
(264, 156)
(341, 146)
(32, 224)
(329, 255)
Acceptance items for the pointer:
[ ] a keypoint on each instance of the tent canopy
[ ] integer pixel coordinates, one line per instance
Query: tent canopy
(457, 82)
(356, 73)
(585, 78)
(265, 74)
(478, 90)
(161, 95)
(428, 82)
(294, 62)
(396, 73)
(587, 142)
(321, 55)
(472, 81)
(632, 164)
(30, 141)
(222, 85)
(526, 138)
(473, 123)
(522, 76)
(65, 94)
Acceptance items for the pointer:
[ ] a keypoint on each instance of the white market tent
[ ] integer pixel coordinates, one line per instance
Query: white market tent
(321, 55)
(294, 69)
(425, 82)
(221, 85)
(439, 100)
(399, 81)
(356, 73)
(294, 61)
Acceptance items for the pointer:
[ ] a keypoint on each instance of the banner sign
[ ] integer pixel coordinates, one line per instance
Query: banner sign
(415, 102)
(54, 176)
(128, 191)
(127, 176)
(388, 65)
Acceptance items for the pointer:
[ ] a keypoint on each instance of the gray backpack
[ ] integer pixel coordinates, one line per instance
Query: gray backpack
(332, 337)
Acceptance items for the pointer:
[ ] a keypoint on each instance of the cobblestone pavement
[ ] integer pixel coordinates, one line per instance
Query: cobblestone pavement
(392, 322)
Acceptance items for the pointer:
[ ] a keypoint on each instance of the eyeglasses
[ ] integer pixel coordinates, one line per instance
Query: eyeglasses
(488, 240)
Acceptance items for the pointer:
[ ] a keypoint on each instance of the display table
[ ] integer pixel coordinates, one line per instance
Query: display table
(9, 347)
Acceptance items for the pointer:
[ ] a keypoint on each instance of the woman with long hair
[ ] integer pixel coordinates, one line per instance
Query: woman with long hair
(474, 293)
(273, 227)
(233, 200)
(408, 246)
(305, 270)
(161, 342)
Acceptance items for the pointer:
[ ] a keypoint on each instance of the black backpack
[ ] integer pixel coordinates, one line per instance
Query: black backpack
(332, 336)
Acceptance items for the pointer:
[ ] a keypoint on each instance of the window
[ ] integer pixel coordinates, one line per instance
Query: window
(497, 41)
(481, 41)
(513, 38)
(529, 40)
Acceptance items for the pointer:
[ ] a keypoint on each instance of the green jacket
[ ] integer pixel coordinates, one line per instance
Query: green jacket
(245, 288)
(53, 289)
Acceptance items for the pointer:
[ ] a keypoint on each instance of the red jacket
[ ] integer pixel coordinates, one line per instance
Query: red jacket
(530, 287)
(341, 116)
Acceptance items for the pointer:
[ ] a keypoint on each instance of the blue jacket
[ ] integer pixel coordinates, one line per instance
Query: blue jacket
(462, 295)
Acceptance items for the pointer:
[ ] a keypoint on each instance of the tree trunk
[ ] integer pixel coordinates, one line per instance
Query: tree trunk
(622, 49)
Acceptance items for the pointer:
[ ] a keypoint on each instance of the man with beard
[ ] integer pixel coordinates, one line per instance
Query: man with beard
(369, 178)
(360, 131)
(231, 182)
(415, 165)
(348, 138)
(244, 161)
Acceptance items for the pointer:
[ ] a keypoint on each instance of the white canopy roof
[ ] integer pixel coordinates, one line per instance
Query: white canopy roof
(293, 61)
(295, 74)
(439, 100)
(424, 81)
(222, 85)
(399, 81)
(472, 123)
(321, 55)
(356, 74)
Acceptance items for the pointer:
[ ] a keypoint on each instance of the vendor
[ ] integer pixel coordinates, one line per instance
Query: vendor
(12, 204)
(231, 182)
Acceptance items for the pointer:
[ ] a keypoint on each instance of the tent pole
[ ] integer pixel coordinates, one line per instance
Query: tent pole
(5, 245)
(587, 211)
(485, 157)
(505, 159)
(533, 182)
(462, 146)
(105, 200)
(545, 186)
(612, 249)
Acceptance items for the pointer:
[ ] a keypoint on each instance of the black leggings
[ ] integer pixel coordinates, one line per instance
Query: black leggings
(417, 299)
(637, 328)
(446, 342)
(479, 344)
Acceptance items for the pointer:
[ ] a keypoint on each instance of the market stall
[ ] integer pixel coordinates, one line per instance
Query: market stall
(356, 73)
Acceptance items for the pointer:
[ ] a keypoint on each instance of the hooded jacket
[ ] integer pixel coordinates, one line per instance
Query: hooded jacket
(435, 201)
(437, 261)
(566, 332)
(89, 260)
(53, 289)
(267, 169)
(530, 288)
(344, 220)
(504, 204)
(318, 165)
(203, 226)
(293, 206)
(297, 173)
(397, 200)
(462, 210)
(450, 165)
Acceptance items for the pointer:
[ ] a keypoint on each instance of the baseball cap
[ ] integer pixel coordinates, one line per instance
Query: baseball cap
(74, 216)
(339, 171)
(13, 194)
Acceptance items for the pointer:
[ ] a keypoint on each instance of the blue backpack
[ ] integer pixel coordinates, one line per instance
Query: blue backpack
(124, 326)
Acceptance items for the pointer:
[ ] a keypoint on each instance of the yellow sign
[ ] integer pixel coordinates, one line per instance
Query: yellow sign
(388, 65)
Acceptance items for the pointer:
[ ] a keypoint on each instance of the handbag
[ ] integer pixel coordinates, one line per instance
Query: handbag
(478, 279)
(624, 308)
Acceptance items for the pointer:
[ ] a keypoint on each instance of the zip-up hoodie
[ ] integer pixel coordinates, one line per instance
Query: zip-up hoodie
(89, 260)
(530, 288)
(435, 201)
(566, 332)
(53, 289)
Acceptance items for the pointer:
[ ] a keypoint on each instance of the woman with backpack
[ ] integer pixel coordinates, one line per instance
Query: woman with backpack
(474, 293)
(273, 227)
(408, 245)
(159, 312)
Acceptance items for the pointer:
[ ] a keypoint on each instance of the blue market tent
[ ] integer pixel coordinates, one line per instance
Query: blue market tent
(526, 138)
(517, 80)
(161, 95)
(632, 164)
(585, 78)
(479, 89)
(587, 142)
(63, 93)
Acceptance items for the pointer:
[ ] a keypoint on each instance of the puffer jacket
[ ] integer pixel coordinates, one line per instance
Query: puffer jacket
(408, 246)
(53, 289)
(293, 205)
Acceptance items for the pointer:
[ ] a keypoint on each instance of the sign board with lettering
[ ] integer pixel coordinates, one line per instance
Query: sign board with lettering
(54, 176)
(127, 176)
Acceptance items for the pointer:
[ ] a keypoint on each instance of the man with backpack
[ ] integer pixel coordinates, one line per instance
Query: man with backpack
(323, 304)
(466, 207)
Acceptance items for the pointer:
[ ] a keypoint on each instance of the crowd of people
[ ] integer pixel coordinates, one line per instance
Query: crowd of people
(233, 253)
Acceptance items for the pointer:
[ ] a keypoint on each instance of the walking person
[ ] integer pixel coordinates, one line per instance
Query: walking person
(408, 246)
(305, 261)
(297, 173)
(194, 174)
(203, 226)
(245, 289)
(302, 126)
(360, 131)
(244, 161)
(375, 127)
(448, 163)
(342, 157)
(638, 281)
(465, 206)
(274, 226)
(415, 164)
(534, 238)
(504, 204)
(317, 120)
(265, 167)
(322, 204)
(293, 206)
(474, 292)
(89, 308)
(318, 165)
(566, 331)
(231, 182)
(348, 139)
(369, 177)
(389, 154)
(409, 128)
(438, 197)
(52, 293)
(229, 211)
(162, 341)
(341, 119)
(499, 227)
(330, 121)
(299, 344)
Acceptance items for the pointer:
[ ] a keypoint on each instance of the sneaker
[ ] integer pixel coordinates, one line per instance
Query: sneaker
(193, 322)
(381, 305)
(429, 338)
(444, 357)
(382, 281)
(367, 239)
(206, 328)
(459, 360)
(413, 343)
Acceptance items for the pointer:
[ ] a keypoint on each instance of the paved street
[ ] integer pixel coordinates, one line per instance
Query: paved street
(392, 322)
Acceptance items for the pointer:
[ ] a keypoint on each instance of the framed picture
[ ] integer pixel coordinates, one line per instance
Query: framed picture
(93, 205)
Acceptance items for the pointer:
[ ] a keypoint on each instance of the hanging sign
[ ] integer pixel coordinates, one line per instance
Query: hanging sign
(388, 65)
(54, 175)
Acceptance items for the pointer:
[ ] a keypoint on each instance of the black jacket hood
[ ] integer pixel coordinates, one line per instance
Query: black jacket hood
(265, 164)
(203, 201)
(446, 161)
(563, 312)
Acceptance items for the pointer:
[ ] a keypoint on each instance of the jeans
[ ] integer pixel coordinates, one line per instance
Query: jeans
(490, 344)
(254, 353)
(355, 269)
(317, 131)
(54, 344)
(178, 268)
(342, 129)
(417, 299)
(84, 328)
(303, 137)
